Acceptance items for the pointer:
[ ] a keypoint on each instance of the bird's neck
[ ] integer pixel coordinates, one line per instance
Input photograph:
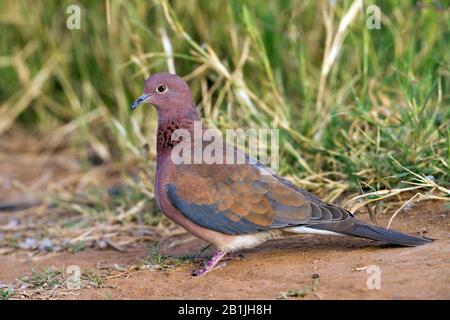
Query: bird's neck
(167, 126)
(164, 141)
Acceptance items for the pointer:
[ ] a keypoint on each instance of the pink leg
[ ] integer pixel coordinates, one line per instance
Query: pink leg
(210, 264)
(230, 256)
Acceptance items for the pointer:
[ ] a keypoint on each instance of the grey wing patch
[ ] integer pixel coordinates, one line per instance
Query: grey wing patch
(337, 213)
(290, 214)
(208, 216)
(321, 212)
(316, 213)
(326, 214)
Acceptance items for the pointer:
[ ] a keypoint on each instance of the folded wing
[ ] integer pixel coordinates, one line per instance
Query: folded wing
(245, 198)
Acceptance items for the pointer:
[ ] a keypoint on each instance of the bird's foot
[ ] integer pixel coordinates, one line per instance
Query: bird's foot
(232, 256)
(228, 257)
(218, 255)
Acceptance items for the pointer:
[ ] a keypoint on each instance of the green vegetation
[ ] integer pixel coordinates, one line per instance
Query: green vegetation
(6, 293)
(303, 292)
(382, 106)
(158, 260)
(52, 278)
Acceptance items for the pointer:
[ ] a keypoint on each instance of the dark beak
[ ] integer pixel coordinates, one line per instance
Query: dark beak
(140, 101)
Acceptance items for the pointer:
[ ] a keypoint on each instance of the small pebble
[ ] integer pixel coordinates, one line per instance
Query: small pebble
(46, 245)
(28, 244)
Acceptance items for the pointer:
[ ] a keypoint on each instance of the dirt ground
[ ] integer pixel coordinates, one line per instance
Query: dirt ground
(304, 267)
(273, 269)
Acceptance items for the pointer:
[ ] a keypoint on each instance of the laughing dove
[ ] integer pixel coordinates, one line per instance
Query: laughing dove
(235, 206)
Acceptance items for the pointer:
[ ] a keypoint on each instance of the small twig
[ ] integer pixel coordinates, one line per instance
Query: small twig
(19, 205)
(417, 195)
(372, 215)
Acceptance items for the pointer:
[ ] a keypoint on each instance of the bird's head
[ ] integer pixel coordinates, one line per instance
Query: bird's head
(167, 92)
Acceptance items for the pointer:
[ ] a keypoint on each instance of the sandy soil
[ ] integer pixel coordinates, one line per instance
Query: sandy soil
(276, 267)
(270, 271)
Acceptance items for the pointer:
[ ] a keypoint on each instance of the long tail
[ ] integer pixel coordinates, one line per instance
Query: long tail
(360, 229)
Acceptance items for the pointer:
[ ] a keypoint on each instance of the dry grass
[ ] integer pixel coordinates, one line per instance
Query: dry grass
(362, 113)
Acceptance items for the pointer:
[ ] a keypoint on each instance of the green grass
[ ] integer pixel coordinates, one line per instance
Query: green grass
(48, 278)
(384, 99)
(304, 291)
(156, 259)
(52, 278)
(6, 293)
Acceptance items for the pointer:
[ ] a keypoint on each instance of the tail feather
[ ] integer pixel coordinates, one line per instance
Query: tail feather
(363, 230)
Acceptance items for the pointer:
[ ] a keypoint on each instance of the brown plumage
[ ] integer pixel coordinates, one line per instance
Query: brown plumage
(235, 206)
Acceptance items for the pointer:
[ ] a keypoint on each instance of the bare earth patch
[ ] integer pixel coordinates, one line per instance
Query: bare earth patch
(134, 261)
(272, 270)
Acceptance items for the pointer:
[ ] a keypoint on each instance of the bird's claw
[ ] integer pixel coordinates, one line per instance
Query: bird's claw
(210, 264)
(200, 272)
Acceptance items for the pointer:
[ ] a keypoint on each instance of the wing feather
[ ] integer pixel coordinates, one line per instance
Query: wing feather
(239, 199)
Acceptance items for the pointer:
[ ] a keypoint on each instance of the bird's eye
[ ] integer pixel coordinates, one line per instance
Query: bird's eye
(162, 88)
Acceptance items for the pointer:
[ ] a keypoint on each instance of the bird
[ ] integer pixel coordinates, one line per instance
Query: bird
(234, 206)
